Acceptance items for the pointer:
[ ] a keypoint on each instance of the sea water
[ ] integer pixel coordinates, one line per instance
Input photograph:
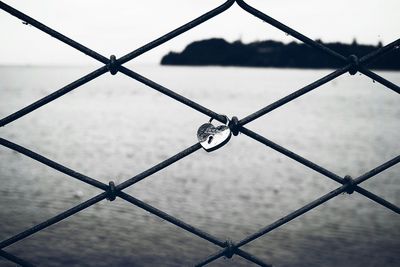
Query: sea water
(113, 128)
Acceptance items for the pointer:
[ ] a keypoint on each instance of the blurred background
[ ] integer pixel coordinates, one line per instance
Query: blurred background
(113, 128)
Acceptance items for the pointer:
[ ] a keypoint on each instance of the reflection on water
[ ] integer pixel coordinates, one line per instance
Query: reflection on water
(114, 128)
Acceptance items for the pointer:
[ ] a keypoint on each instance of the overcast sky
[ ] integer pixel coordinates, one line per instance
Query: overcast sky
(118, 27)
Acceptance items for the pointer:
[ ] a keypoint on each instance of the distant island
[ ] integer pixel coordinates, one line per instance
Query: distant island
(219, 52)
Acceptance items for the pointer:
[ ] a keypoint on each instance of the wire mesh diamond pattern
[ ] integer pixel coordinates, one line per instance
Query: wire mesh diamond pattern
(351, 64)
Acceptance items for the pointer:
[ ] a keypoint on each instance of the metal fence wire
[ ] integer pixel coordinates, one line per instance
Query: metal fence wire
(351, 64)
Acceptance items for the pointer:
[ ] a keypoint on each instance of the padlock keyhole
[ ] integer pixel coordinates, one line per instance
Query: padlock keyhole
(210, 138)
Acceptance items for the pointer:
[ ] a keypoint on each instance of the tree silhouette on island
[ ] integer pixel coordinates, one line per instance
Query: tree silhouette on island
(219, 52)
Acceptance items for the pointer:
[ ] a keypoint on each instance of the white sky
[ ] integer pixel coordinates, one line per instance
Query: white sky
(120, 26)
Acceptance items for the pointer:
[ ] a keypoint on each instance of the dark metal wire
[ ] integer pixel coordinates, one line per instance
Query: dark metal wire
(52, 164)
(173, 95)
(316, 168)
(52, 220)
(178, 31)
(47, 99)
(313, 43)
(104, 60)
(316, 203)
(312, 205)
(294, 95)
(15, 259)
(105, 195)
(228, 249)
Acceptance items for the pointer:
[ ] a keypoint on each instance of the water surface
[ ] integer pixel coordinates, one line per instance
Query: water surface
(114, 128)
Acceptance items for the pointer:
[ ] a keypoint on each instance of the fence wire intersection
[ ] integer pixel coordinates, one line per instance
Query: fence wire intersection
(351, 64)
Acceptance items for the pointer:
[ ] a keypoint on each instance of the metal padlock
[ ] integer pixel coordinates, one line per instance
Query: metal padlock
(211, 137)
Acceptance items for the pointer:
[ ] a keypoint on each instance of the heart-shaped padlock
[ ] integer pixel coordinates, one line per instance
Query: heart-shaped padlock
(211, 137)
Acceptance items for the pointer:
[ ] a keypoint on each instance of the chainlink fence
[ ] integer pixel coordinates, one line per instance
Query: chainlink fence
(351, 64)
